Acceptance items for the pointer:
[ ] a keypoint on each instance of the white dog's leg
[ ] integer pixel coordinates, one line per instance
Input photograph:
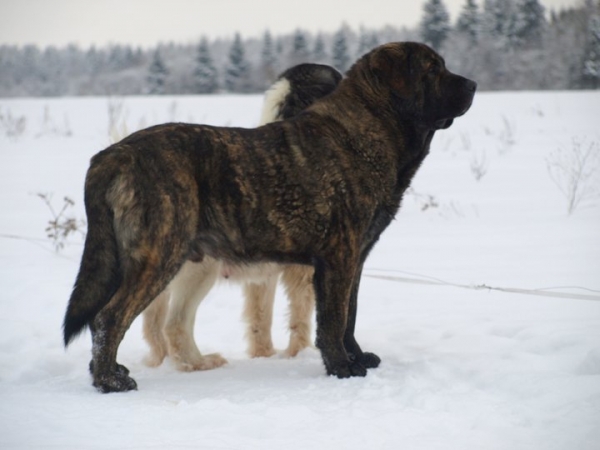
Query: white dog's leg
(258, 313)
(188, 289)
(154, 320)
(301, 294)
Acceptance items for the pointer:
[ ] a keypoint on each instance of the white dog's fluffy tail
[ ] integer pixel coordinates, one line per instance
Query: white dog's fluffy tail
(274, 98)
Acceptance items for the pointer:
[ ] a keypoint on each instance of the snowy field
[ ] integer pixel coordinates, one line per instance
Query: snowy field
(464, 366)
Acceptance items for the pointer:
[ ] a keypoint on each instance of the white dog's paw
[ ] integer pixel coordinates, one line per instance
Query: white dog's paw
(153, 359)
(261, 351)
(206, 362)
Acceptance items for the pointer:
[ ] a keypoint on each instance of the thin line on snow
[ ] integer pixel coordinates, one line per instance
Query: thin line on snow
(542, 292)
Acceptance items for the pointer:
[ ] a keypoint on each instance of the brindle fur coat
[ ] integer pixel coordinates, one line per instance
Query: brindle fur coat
(317, 189)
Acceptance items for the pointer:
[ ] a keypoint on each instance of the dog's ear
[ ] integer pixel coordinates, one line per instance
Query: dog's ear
(390, 65)
(327, 75)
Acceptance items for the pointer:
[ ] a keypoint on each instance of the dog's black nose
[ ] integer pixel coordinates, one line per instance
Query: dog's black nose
(471, 86)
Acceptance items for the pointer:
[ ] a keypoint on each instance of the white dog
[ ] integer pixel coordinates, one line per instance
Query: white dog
(169, 320)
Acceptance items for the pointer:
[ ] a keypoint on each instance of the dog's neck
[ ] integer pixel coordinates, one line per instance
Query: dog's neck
(398, 147)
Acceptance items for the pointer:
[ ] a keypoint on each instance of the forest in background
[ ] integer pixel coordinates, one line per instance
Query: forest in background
(502, 44)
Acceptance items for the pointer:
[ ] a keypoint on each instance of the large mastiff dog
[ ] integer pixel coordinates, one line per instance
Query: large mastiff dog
(317, 189)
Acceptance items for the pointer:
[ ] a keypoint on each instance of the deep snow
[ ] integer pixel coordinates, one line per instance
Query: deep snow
(462, 368)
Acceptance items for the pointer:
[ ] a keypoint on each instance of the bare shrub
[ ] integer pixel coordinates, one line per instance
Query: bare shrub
(50, 127)
(61, 226)
(12, 126)
(576, 172)
(479, 164)
(425, 201)
(507, 135)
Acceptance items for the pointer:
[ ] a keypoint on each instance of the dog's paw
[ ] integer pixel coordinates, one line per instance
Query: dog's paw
(117, 381)
(260, 349)
(369, 360)
(262, 352)
(206, 362)
(350, 369)
(119, 369)
(295, 347)
(292, 352)
(153, 360)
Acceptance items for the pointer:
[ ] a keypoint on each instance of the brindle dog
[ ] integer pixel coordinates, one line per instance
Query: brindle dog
(317, 189)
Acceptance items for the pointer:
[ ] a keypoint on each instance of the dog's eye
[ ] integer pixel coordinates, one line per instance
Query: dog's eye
(434, 68)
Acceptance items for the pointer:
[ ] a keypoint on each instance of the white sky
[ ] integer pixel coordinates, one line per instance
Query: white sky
(146, 22)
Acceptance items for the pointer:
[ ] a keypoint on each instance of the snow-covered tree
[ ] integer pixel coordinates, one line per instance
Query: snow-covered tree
(319, 54)
(268, 60)
(340, 57)
(468, 21)
(498, 22)
(567, 56)
(367, 40)
(157, 75)
(530, 23)
(591, 57)
(237, 73)
(299, 53)
(435, 23)
(120, 57)
(205, 73)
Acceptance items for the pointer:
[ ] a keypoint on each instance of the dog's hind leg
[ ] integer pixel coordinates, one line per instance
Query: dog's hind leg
(258, 313)
(298, 282)
(154, 320)
(188, 289)
(143, 280)
(153, 225)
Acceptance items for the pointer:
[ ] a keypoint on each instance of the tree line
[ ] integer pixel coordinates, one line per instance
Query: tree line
(503, 44)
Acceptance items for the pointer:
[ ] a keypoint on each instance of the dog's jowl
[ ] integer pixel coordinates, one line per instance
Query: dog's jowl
(317, 189)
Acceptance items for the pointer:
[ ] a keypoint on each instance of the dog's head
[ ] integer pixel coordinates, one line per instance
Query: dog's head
(413, 79)
(296, 89)
(308, 82)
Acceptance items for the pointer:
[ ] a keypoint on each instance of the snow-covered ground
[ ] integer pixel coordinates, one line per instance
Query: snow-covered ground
(463, 368)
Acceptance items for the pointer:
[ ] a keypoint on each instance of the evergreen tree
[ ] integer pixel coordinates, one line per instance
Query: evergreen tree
(237, 73)
(502, 56)
(157, 75)
(279, 47)
(591, 57)
(468, 21)
(120, 57)
(339, 53)
(499, 22)
(435, 23)
(367, 40)
(319, 53)
(268, 60)
(205, 72)
(299, 53)
(529, 23)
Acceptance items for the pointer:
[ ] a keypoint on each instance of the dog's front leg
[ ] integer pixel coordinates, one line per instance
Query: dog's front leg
(366, 359)
(334, 279)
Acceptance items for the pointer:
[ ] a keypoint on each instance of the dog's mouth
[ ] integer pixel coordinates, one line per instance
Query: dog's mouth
(444, 123)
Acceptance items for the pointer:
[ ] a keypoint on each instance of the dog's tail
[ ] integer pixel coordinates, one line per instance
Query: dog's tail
(274, 98)
(99, 274)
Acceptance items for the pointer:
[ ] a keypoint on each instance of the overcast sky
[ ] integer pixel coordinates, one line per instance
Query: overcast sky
(146, 22)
